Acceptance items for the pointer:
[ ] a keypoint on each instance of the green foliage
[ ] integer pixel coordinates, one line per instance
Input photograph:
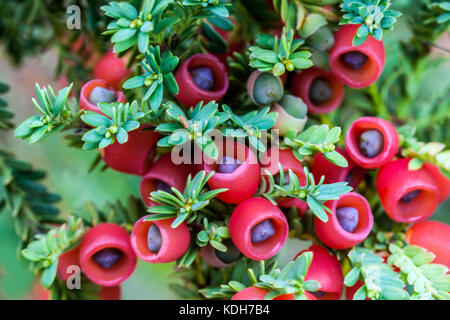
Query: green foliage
(317, 138)
(211, 7)
(5, 114)
(251, 125)
(56, 113)
(422, 152)
(314, 194)
(157, 75)
(380, 281)
(184, 207)
(289, 280)
(112, 212)
(213, 235)
(429, 281)
(194, 126)
(118, 119)
(44, 251)
(374, 15)
(131, 27)
(277, 56)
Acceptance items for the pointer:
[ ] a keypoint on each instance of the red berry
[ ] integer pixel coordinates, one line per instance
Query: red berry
(319, 89)
(218, 259)
(353, 174)
(335, 235)
(174, 241)
(442, 182)
(395, 181)
(164, 170)
(356, 66)
(190, 94)
(246, 216)
(101, 237)
(87, 89)
(269, 161)
(112, 69)
(243, 182)
(362, 151)
(67, 259)
(135, 156)
(326, 269)
(110, 293)
(433, 236)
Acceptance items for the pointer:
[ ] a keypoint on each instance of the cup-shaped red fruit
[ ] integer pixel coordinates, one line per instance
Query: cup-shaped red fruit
(106, 256)
(353, 174)
(325, 268)
(66, 260)
(219, 259)
(356, 66)
(319, 89)
(162, 175)
(258, 228)
(157, 242)
(433, 236)
(97, 91)
(112, 69)
(110, 293)
(254, 293)
(442, 182)
(236, 169)
(349, 224)
(136, 155)
(202, 77)
(269, 161)
(371, 142)
(406, 195)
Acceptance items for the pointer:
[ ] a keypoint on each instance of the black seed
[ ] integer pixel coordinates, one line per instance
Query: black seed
(100, 94)
(286, 178)
(161, 185)
(318, 294)
(107, 258)
(320, 91)
(348, 218)
(232, 253)
(354, 59)
(154, 239)
(371, 143)
(203, 78)
(228, 165)
(262, 231)
(410, 196)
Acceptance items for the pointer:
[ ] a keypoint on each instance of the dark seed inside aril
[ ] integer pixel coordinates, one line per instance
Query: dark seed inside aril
(228, 165)
(161, 185)
(203, 78)
(354, 59)
(154, 239)
(286, 178)
(320, 91)
(232, 253)
(410, 196)
(262, 231)
(371, 143)
(107, 258)
(101, 95)
(348, 218)
(318, 294)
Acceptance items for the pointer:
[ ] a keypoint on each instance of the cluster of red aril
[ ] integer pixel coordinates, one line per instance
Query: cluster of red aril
(258, 229)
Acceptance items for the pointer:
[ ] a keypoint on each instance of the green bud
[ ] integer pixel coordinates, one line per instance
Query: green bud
(278, 69)
(148, 82)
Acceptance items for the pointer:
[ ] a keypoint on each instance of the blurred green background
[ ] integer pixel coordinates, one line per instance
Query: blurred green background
(68, 176)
